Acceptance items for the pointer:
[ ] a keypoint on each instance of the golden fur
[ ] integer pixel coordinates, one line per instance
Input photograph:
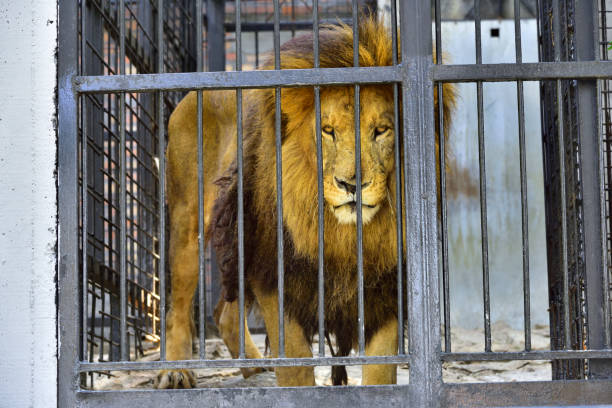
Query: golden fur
(300, 208)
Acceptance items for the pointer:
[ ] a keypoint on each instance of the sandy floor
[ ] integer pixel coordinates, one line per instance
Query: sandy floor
(503, 339)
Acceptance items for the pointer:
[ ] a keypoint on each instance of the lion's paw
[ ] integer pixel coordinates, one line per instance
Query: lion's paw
(175, 379)
(250, 371)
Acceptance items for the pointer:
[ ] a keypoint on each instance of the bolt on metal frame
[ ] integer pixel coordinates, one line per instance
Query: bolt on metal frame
(415, 77)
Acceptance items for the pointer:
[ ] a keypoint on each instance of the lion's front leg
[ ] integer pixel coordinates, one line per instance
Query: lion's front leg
(184, 275)
(296, 343)
(227, 316)
(382, 343)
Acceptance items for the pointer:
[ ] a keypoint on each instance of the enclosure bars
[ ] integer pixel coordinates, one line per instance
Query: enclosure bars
(320, 202)
(161, 133)
(239, 159)
(68, 173)
(483, 186)
(280, 267)
(523, 177)
(84, 185)
(200, 207)
(603, 87)
(593, 202)
(442, 164)
(201, 243)
(360, 311)
(68, 210)
(401, 349)
(125, 354)
(420, 204)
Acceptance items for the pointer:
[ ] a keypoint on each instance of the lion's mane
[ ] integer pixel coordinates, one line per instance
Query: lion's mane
(300, 208)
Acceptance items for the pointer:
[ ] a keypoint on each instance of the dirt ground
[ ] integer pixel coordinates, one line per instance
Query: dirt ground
(503, 338)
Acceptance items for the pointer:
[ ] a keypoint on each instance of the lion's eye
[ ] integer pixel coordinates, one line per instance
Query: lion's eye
(328, 130)
(380, 130)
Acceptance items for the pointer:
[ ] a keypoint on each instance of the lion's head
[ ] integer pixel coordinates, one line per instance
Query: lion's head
(338, 143)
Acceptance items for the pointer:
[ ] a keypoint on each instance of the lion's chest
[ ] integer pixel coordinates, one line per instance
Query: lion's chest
(340, 292)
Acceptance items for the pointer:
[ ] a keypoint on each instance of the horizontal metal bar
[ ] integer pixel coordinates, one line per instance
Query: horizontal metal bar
(338, 76)
(528, 72)
(235, 79)
(528, 355)
(227, 363)
(374, 396)
(532, 394)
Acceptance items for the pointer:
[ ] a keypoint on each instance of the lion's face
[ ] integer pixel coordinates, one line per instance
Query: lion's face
(338, 142)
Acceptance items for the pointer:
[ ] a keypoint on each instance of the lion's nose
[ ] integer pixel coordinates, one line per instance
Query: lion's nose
(349, 186)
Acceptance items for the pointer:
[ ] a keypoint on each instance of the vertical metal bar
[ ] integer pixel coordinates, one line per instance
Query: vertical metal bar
(320, 202)
(68, 207)
(123, 194)
(279, 189)
(518, 47)
(561, 137)
(360, 305)
(161, 138)
(241, 312)
(420, 204)
(398, 189)
(256, 46)
(483, 187)
(443, 218)
(201, 252)
(606, 284)
(523, 177)
(102, 325)
(292, 17)
(84, 185)
(215, 17)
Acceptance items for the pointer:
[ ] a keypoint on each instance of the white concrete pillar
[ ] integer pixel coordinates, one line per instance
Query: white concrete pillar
(28, 40)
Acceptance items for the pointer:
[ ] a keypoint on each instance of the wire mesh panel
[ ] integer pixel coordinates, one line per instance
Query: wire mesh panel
(576, 274)
(566, 263)
(124, 67)
(108, 172)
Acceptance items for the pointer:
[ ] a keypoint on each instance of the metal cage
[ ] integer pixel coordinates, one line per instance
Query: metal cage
(123, 65)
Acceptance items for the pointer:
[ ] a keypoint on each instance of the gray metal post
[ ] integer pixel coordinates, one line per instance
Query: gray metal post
(68, 292)
(421, 204)
(591, 162)
(215, 36)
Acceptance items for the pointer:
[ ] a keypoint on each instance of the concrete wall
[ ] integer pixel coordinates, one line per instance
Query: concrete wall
(28, 370)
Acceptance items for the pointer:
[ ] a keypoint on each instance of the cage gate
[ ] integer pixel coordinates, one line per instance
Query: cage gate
(123, 65)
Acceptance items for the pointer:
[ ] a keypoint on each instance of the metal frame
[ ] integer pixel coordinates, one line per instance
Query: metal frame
(417, 75)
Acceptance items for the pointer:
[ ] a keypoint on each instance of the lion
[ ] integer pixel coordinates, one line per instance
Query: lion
(300, 209)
